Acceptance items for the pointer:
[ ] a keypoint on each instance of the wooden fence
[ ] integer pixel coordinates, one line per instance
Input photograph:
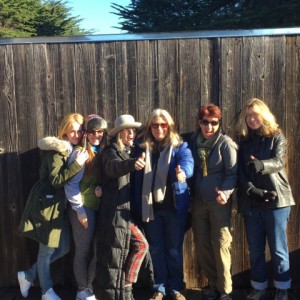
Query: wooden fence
(42, 79)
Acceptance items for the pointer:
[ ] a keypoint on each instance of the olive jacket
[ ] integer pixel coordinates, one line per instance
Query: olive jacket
(44, 211)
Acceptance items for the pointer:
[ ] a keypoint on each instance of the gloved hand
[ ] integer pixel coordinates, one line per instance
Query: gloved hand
(255, 165)
(270, 196)
(256, 194)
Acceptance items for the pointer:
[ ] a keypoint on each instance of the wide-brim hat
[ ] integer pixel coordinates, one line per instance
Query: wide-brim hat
(95, 122)
(122, 122)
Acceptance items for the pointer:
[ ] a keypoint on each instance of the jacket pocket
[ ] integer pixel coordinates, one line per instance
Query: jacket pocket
(46, 207)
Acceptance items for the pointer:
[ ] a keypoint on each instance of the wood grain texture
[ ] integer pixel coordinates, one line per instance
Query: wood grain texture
(40, 83)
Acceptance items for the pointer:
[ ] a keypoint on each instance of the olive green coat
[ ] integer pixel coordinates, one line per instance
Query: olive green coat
(44, 211)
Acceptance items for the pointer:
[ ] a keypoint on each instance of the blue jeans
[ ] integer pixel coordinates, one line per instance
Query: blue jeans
(270, 225)
(46, 256)
(165, 235)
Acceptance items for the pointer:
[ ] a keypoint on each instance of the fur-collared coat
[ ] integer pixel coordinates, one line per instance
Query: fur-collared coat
(43, 214)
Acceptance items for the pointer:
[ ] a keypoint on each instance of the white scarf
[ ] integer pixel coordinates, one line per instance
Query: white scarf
(160, 180)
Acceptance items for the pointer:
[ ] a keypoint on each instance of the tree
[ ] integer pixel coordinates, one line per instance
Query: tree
(54, 19)
(25, 18)
(16, 17)
(184, 15)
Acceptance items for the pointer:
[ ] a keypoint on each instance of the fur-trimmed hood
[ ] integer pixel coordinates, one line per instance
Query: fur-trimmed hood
(55, 144)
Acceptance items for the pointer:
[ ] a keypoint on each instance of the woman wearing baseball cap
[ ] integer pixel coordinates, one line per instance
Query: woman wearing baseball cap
(83, 194)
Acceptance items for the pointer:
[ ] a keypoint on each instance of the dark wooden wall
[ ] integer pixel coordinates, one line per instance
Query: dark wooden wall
(40, 83)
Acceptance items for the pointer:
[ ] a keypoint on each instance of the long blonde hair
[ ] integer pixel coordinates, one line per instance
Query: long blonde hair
(66, 123)
(269, 127)
(172, 138)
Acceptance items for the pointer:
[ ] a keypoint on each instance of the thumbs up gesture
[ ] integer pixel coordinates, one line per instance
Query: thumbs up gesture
(221, 198)
(180, 174)
(140, 162)
(255, 164)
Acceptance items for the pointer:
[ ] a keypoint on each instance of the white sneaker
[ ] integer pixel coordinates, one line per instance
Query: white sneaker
(85, 294)
(24, 284)
(50, 295)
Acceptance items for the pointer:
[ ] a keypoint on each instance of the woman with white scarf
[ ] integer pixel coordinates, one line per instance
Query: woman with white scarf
(165, 201)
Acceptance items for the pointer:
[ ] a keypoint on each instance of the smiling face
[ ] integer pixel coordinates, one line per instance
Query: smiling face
(209, 126)
(253, 119)
(95, 137)
(127, 136)
(74, 133)
(159, 128)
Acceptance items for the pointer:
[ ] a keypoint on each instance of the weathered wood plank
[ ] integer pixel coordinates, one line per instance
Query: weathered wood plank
(40, 83)
(253, 72)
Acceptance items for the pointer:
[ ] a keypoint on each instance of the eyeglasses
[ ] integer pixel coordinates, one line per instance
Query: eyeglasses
(157, 125)
(94, 132)
(206, 123)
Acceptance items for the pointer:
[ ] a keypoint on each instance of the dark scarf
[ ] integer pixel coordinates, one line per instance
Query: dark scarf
(204, 147)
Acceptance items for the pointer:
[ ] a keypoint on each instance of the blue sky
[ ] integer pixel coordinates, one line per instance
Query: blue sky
(96, 14)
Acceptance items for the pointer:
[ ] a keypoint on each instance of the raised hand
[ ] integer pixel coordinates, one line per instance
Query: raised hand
(81, 157)
(255, 164)
(180, 174)
(140, 162)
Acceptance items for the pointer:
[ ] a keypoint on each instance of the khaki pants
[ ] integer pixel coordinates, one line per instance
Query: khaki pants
(211, 228)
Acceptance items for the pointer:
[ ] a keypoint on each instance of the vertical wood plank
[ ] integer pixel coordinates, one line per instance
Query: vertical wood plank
(292, 109)
(145, 70)
(253, 72)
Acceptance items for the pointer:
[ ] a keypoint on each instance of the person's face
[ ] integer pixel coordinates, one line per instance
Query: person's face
(209, 126)
(253, 119)
(95, 137)
(127, 136)
(159, 128)
(74, 133)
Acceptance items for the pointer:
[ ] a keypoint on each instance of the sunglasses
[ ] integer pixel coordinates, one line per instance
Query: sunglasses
(94, 132)
(206, 123)
(157, 125)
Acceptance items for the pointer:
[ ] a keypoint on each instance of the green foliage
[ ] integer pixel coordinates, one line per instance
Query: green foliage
(25, 18)
(185, 15)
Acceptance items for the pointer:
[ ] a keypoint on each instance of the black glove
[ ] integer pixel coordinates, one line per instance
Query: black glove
(256, 165)
(270, 196)
(256, 194)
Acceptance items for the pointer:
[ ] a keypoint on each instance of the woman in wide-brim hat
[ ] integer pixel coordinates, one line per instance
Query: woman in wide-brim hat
(121, 246)
(122, 122)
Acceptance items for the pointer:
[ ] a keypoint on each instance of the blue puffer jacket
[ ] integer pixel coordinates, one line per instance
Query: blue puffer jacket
(181, 156)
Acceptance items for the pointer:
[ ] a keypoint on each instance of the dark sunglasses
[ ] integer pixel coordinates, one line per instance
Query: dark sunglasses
(94, 132)
(206, 122)
(162, 125)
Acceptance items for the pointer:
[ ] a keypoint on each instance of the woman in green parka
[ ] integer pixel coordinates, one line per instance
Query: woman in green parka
(44, 218)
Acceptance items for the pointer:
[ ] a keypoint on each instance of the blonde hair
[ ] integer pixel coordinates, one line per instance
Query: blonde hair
(172, 138)
(66, 123)
(119, 141)
(269, 127)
